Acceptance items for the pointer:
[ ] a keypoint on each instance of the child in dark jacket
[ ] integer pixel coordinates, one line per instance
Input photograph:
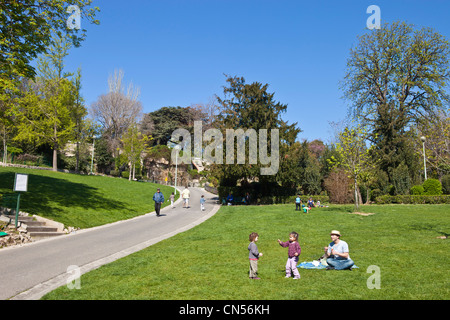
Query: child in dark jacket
(293, 254)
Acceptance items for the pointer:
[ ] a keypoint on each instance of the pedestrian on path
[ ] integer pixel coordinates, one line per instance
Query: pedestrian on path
(202, 203)
(185, 195)
(158, 197)
(172, 199)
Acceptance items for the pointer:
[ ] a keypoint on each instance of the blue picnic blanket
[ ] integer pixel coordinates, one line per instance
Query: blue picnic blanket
(310, 265)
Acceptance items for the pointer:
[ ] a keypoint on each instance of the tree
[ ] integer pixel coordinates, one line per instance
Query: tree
(355, 157)
(117, 110)
(395, 76)
(437, 142)
(45, 114)
(134, 143)
(251, 106)
(338, 185)
(162, 122)
(26, 30)
(82, 129)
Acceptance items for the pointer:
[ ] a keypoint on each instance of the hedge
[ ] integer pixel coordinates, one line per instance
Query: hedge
(413, 199)
(256, 198)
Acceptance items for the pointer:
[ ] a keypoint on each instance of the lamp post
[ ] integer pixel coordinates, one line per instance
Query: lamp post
(424, 161)
(177, 147)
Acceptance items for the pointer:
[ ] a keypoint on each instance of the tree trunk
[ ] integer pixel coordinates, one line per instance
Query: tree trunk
(55, 149)
(356, 196)
(55, 158)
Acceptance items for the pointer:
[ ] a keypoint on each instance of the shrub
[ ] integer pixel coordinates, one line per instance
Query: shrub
(432, 187)
(416, 190)
(114, 173)
(375, 193)
(446, 184)
(405, 199)
(125, 174)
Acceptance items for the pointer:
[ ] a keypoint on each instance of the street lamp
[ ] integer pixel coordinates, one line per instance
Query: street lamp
(424, 161)
(177, 147)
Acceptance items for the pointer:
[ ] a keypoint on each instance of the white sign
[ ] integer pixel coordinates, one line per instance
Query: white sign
(21, 183)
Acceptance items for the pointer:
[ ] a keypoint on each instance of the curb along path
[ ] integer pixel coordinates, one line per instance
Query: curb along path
(31, 271)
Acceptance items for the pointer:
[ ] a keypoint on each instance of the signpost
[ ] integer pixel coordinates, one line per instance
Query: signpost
(20, 185)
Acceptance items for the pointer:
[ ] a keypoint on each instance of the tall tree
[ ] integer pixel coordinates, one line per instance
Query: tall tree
(162, 122)
(46, 114)
(118, 109)
(251, 106)
(134, 143)
(26, 30)
(395, 76)
(437, 142)
(354, 157)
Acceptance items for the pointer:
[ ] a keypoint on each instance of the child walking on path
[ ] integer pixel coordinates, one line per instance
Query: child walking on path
(253, 255)
(202, 203)
(172, 199)
(293, 253)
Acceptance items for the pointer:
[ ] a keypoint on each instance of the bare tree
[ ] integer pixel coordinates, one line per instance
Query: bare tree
(118, 109)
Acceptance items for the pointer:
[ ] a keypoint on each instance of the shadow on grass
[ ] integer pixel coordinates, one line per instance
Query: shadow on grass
(43, 191)
(430, 227)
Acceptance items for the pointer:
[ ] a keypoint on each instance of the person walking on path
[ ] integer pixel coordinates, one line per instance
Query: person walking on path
(185, 195)
(158, 197)
(172, 199)
(202, 203)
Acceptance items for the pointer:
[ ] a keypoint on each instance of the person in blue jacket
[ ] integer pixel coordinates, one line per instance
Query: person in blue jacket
(158, 197)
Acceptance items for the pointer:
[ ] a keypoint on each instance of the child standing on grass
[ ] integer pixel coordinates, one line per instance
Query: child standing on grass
(253, 255)
(293, 253)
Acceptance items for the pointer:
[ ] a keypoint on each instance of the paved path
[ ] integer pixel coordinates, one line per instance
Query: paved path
(31, 271)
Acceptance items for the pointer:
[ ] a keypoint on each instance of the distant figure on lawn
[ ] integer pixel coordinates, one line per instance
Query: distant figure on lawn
(337, 253)
(311, 203)
(158, 197)
(298, 203)
(230, 199)
(186, 195)
(247, 199)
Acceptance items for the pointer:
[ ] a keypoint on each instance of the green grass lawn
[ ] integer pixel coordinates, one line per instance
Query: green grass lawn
(79, 200)
(210, 261)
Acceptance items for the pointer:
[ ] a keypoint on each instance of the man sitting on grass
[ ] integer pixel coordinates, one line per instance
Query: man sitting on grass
(337, 253)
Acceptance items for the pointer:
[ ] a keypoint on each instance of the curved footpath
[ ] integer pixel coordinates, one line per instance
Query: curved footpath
(31, 271)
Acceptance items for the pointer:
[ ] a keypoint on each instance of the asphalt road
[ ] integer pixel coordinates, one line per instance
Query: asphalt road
(31, 271)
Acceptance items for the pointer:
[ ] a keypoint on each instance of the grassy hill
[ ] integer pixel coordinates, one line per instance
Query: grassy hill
(79, 200)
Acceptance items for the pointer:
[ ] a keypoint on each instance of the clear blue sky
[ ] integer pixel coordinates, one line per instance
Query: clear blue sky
(177, 51)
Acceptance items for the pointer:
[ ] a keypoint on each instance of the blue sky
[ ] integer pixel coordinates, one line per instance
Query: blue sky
(177, 51)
